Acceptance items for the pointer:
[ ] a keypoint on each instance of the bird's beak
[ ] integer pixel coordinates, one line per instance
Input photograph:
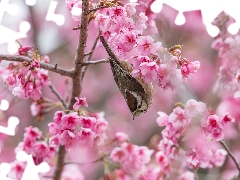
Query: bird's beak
(134, 116)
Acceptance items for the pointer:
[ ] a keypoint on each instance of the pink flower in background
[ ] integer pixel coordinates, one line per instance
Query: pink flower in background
(194, 127)
(34, 144)
(10, 80)
(131, 157)
(72, 172)
(17, 170)
(32, 133)
(228, 52)
(186, 176)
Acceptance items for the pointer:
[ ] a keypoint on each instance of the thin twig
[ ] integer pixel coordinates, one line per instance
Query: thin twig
(58, 95)
(231, 155)
(49, 177)
(90, 55)
(93, 47)
(78, 163)
(97, 8)
(68, 90)
(34, 26)
(87, 54)
(94, 62)
(43, 65)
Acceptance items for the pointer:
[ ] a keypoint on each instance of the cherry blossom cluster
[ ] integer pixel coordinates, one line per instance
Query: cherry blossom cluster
(123, 27)
(131, 157)
(75, 7)
(26, 79)
(35, 144)
(75, 128)
(229, 74)
(133, 160)
(194, 130)
(123, 24)
(138, 162)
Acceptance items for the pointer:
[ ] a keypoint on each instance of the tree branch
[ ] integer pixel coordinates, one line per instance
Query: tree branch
(231, 155)
(95, 62)
(50, 67)
(60, 162)
(58, 95)
(76, 79)
(79, 58)
(90, 56)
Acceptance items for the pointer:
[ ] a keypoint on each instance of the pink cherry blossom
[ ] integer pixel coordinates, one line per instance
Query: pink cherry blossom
(131, 157)
(162, 120)
(148, 71)
(27, 80)
(67, 138)
(72, 129)
(121, 137)
(32, 133)
(79, 102)
(41, 152)
(58, 116)
(69, 121)
(86, 136)
(34, 144)
(17, 170)
(10, 80)
(192, 126)
(87, 122)
(145, 45)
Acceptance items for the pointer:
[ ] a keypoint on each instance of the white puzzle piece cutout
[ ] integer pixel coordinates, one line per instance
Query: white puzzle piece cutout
(10, 129)
(7, 35)
(31, 171)
(4, 170)
(12, 121)
(210, 10)
(51, 16)
(30, 2)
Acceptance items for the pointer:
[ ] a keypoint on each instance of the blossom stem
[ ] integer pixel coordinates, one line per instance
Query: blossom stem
(231, 155)
(50, 67)
(51, 86)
